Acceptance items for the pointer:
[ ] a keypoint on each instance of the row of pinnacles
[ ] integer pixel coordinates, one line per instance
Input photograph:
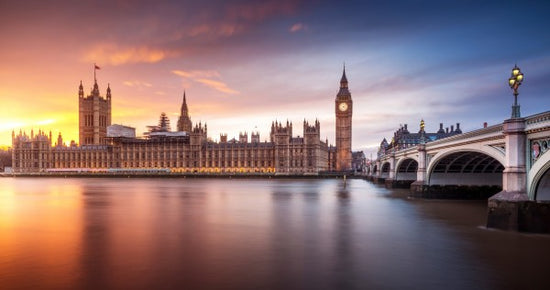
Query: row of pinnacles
(31, 151)
(104, 147)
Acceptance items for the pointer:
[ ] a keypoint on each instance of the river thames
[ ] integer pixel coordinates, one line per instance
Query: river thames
(185, 233)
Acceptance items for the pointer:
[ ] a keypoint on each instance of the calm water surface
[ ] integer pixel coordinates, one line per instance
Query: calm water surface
(253, 234)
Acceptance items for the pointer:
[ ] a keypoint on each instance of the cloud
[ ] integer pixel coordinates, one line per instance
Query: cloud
(297, 27)
(205, 77)
(194, 74)
(114, 55)
(137, 84)
(217, 85)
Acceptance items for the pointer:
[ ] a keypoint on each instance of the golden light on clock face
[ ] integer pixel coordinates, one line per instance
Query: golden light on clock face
(343, 107)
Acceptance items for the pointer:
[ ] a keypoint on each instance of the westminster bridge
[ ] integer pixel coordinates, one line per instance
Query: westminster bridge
(507, 163)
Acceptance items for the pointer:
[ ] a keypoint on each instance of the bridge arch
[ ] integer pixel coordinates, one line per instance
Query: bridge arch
(385, 170)
(406, 168)
(538, 182)
(466, 166)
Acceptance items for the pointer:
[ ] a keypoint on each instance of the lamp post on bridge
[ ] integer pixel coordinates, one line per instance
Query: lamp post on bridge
(515, 81)
(505, 209)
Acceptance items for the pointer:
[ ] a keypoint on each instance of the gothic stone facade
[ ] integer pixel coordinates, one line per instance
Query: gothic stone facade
(94, 115)
(191, 153)
(188, 151)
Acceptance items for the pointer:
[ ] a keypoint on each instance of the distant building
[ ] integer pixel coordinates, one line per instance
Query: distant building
(358, 161)
(114, 148)
(121, 131)
(403, 139)
(5, 159)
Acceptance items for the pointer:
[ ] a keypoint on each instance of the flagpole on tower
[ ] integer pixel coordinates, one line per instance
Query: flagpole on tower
(95, 68)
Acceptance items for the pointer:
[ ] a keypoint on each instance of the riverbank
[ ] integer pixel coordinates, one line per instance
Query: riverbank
(327, 175)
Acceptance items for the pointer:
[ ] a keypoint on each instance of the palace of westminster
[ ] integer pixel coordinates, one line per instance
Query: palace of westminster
(114, 148)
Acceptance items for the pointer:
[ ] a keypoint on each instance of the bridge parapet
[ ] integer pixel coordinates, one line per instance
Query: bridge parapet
(538, 121)
(477, 136)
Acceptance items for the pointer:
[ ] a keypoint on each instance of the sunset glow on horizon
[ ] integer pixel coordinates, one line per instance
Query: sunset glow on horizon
(247, 63)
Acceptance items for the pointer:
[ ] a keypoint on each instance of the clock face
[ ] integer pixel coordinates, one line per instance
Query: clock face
(343, 107)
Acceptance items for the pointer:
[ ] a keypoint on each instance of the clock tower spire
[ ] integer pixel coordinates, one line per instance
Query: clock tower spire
(343, 111)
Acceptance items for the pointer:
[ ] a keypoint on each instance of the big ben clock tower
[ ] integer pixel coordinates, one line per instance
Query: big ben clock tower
(343, 108)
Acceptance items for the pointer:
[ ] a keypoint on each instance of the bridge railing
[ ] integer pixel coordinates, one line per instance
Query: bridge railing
(468, 135)
(403, 151)
(537, 121)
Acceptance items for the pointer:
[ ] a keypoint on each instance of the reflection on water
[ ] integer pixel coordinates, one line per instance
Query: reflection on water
(252, 234)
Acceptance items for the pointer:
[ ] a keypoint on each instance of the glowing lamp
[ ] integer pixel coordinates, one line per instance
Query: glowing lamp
(515, 81)
(520, 77)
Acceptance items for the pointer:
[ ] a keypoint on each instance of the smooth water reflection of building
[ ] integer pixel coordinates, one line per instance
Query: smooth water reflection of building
(250, 234)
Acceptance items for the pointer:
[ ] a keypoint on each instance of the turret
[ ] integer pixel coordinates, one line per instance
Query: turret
(243, 137)
(95, 90)
(108, 91)
(59, 140)
(458, 131)
(81, 90)
(223, 138)
(441, 130)
(255, 137)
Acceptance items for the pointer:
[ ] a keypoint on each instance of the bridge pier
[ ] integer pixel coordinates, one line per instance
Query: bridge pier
(419, 186)
(388, 182)
(395, 183)
(504, 208)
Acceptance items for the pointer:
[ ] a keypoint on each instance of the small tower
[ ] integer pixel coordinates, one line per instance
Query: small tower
(81, 90)
(59, 140)
(223, 138)
(184, 122)
(243, 137)
(255, 137)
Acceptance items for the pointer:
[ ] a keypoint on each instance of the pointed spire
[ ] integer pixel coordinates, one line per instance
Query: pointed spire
(108, 91)
(81, 90)
(184, 109)
(95, 90)
(344, 79)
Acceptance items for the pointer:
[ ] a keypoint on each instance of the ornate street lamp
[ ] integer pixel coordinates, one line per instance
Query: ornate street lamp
(515, 81)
